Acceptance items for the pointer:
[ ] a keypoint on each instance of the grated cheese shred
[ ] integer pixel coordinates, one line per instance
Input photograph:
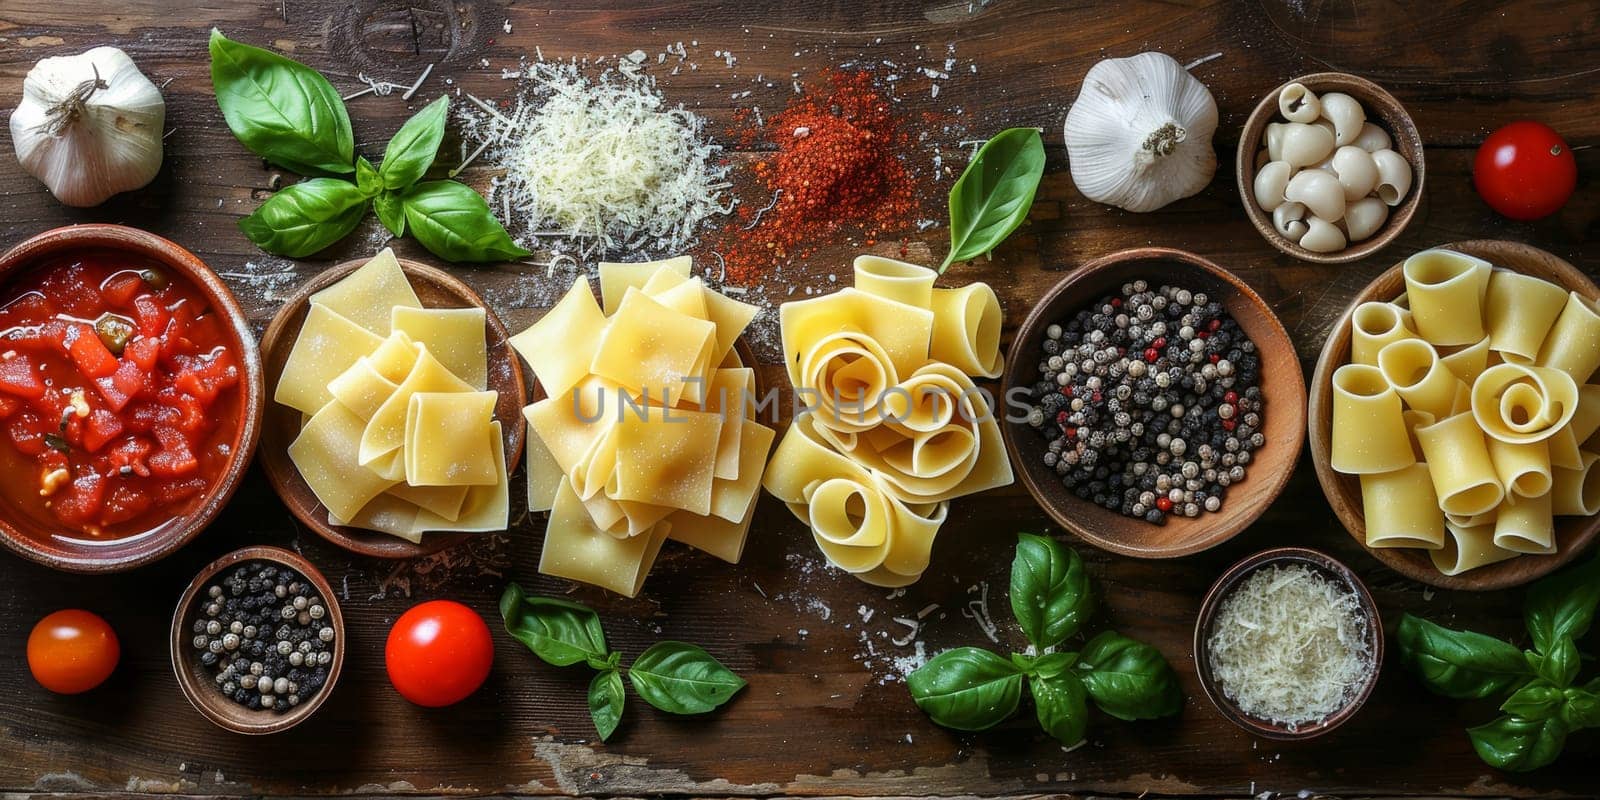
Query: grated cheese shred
(1290, 646)
(602, 164)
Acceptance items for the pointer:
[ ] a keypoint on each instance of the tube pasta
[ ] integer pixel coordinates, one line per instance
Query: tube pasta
(1573, 345)
(1357, 172)
(1468, 361)
(1364, 217)
(1271, 181)
(1415, 372)
(1402, 509)
(1467, 549)
(1459, 463)
(1374, 325)
(1346, 114)
(1303, 145)
(1524, 469)
(1320, 192)
(872, 477)
(1394, 176)
(1322, 236)
(1369, 433)
(1576, 491)
(1373, 138)
(1520, 310)
(1446, 290)
(1526, 525)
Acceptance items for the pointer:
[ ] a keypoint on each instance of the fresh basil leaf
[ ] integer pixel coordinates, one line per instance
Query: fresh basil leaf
(1560, 666)
(305, 217)
(1059, 701)
(606, 700)
(455, 224)
(560, 632)
(367, 178)
(608, 661)
(1050, 593)
(968, 689)
(1459, 664)
(1052, 664)
(680, 678)
(280, 109)
(1563, 605)
(1582, 705)
(1023, 661)
(1519, 745)
(1537, 700)
(391, 211)
(994, 193)
(1129, 679)
(413, 147)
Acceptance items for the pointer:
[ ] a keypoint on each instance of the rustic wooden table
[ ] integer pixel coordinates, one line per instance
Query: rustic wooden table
(826, 712)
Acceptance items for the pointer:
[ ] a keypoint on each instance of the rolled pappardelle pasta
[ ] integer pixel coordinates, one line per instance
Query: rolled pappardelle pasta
(1489, 368)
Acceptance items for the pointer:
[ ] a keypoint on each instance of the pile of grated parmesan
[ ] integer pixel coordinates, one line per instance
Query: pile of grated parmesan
(1289, 646)
(599, 166)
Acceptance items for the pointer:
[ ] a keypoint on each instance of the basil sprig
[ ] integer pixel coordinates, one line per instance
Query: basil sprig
(674, 677)
(994, 193)
(1543, 701)
(973, 689)
(290, 115)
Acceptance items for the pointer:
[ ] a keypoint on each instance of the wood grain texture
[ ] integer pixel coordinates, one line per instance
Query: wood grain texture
(823, 715)
(1573, 535)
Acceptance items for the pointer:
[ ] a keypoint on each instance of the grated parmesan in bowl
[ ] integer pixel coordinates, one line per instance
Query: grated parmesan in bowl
(1290, 643)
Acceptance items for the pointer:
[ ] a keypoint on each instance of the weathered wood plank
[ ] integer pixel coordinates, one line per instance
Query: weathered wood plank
(824, 714)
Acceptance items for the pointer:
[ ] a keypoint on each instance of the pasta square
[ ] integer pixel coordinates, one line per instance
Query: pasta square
(560, 346)
(361, 388)
(455, 336)
(666, 457)
(616, 278)
(367, 295)
(327, 345)
(731, 497)
(447, 441)
(386, 431)
(575, 548)
(324, 453)
(650, 349)
(487, 508)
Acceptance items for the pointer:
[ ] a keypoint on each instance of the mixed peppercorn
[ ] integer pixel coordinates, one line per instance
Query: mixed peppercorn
(265, 636)
(1150, 401)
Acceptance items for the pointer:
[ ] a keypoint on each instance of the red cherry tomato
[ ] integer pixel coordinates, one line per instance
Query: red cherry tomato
(72, 651)
(1525, 171)
(438, 653)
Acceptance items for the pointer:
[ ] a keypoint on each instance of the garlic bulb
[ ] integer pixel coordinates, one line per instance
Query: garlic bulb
(1139, 134)
(89, 126)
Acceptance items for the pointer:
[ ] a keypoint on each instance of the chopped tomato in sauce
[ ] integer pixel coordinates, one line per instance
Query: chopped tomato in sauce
(119, 395)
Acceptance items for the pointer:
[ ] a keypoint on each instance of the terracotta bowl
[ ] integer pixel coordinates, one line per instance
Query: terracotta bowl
(1573, 534)
(1383, 110)
(33, 539)
(197, 684)
(436, 288)
(1283, 388)
(1225, 585)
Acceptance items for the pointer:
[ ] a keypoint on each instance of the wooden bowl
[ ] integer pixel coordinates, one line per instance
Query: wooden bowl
(436, 288)
(1573, 534)
(197, 684)
(1383, 110)
(1225, 585)
(34, 539)
(1282, 385)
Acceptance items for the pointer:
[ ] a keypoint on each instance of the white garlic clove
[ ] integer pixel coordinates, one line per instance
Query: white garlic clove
(1273, 139)
(1322, 236)
(1394, 176)
(1346, 114)
(1357, 172)
(1297, 103)
(89, 126)
(1372, 138)
(1139, 134)
(1319, 190)
(1304, 145)
(1270, 183)
(1289, 220)
(1364, 217)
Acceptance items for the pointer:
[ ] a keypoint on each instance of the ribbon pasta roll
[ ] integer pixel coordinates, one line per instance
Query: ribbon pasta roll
(1446, 290)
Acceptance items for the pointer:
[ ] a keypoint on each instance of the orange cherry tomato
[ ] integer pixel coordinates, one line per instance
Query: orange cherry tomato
(438, 653)
(72, 651)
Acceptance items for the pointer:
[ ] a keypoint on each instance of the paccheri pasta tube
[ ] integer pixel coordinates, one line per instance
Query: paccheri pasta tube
(1466, 413)
(895, 427)
(648, 431)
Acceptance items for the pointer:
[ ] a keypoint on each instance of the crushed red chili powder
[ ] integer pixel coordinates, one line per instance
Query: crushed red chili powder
(839, 169)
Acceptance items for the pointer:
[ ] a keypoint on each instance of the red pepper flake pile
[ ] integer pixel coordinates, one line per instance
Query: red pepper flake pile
(839, 169)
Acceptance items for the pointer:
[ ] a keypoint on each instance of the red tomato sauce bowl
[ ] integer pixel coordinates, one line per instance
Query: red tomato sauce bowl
(131, 394)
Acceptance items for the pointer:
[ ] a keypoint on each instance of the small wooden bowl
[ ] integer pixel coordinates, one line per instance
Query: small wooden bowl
(1383, 110)
(1282, 385)
(198, 685)
(436, 288)
(35, 539)
(1573, 534)
(1225, 586)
